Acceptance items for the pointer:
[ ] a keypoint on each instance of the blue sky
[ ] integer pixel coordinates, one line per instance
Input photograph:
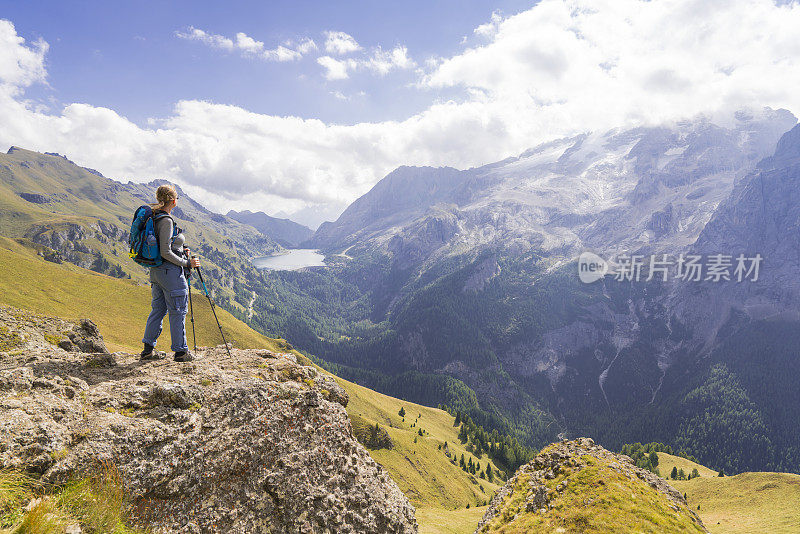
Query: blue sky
(126, 56)
(231, 101)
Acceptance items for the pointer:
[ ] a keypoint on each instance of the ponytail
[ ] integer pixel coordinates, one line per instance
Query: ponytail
(164, 194)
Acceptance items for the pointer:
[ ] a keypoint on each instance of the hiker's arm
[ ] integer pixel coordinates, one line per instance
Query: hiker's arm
(164, 238)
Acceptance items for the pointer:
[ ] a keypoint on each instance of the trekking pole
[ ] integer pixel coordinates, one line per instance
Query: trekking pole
(211, 302)
(191, 309)
(191, 313)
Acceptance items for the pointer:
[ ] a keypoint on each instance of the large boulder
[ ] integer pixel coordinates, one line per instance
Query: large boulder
(251, 443)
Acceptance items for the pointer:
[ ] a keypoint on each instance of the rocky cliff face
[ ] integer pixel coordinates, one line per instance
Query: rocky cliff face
(254, 443)
(577, 486)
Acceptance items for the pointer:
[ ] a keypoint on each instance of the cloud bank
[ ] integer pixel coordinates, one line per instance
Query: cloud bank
(557, 69)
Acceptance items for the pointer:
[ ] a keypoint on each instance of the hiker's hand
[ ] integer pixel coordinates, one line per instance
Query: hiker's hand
(195, 262)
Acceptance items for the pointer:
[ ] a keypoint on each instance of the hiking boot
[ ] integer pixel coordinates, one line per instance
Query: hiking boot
(183, 356)
(149, 353)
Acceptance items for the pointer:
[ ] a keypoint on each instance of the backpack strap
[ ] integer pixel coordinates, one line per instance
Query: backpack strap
(157, 216)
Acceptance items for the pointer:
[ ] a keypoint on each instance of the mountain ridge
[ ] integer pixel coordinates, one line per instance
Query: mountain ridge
(480, 286)
(285, 231)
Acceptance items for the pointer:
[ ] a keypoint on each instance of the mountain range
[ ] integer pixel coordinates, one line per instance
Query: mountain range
(286, 232)
(460, 287)
(76, 215)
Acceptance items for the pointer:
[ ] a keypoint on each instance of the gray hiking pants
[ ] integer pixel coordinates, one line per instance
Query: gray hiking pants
(170, 294)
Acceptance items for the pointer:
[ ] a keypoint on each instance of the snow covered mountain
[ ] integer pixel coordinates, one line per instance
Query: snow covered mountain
(472, 275)
(646, 188)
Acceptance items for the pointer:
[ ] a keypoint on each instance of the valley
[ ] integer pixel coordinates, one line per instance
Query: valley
(465, 296)
(447, 499)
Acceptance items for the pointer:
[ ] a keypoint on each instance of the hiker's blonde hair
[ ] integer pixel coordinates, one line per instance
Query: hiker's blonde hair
(164, 194)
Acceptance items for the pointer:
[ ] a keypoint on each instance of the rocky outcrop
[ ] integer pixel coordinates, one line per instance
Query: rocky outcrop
(251, 443)
(34, 198)
(34, 334)
(577, 484)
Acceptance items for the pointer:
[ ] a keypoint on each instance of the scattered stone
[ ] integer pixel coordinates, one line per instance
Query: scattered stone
(98, 360)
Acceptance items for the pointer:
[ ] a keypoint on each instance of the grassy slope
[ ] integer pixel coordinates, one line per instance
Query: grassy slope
(667, 461)
(118, 307)
(80, 197)
(439, 489)
(741, 504)
(597, 499)
(421, 469)
(441, 521)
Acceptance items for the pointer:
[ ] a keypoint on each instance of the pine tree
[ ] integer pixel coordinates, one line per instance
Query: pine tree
(402, 412)
(458, 419)
(462, 434)
(674, 473)
(695, 474)
(374, 432)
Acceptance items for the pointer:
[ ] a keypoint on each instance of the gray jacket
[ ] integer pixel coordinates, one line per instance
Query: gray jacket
(171, 248)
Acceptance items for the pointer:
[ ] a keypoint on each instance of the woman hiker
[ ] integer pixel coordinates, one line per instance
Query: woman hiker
(168, 281)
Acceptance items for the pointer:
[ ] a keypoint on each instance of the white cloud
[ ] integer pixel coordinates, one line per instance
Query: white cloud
(559, 68)
(490, 28)
(340, 43)
(379, 62)
(609, 62)
(248, 46)
(341, 96)
(214, 41)
(384, 61)
(334, 68)
(336, 43)
(306, 45)
(21, 65)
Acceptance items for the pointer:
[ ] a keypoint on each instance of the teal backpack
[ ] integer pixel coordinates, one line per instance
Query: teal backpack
(144, 238)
